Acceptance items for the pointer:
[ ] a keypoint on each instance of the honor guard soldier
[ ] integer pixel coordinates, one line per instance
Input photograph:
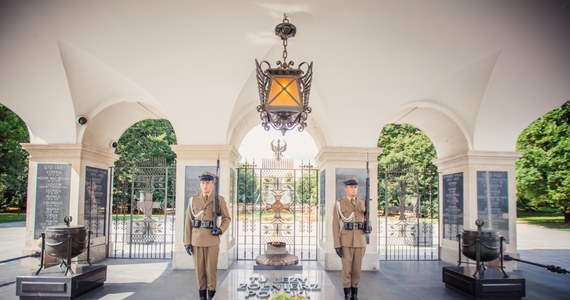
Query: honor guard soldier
(349, 238)
(202, 235)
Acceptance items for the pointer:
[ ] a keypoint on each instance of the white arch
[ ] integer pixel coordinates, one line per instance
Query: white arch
(251, 119)
(442, 127)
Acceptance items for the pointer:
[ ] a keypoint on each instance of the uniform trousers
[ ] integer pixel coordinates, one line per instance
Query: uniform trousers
(206, 264)
(351, 265)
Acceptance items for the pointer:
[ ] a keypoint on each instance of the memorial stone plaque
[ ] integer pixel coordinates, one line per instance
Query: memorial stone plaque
(52, 196)
(96, 200)
(493, 201)
(452, 205)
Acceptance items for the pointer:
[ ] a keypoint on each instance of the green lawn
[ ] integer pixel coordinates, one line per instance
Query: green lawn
(12, 217)
(550, 218)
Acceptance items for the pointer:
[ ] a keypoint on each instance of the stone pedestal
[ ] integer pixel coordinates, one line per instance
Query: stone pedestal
(492, 286)
(265, 262)
(277, 258)
(53, 284)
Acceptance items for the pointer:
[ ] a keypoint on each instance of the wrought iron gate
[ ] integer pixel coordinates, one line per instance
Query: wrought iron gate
(408, 215)
(143, 210)
(277, 204)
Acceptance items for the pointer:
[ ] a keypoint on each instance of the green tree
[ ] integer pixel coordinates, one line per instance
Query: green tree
(407, 155)
(248, 184)
(146, 140)
(543, 171)
(306, 187)
(141, 145)
(13, 159)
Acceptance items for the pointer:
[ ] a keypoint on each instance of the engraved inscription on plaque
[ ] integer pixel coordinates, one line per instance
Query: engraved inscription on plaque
(452, 205)
(95, 200)
(493, 201)
(52, 196)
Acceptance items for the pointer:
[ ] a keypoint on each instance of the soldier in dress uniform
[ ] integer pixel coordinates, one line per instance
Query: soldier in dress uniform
(201, 239)
(349, 238)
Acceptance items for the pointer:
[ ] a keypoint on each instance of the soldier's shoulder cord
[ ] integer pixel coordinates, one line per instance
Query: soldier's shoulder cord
(344, 218)
(190, 207)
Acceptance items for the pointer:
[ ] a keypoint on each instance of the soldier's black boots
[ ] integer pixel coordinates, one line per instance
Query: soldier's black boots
(354, 293)
(211, 294)
(202, 294)
(346, 293)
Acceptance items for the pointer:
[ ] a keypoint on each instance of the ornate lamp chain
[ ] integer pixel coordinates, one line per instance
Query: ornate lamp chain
(285, 52)
(284, 38)
(285, 30)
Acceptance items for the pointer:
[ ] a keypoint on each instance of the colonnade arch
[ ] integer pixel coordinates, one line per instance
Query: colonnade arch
(440, 125)
(443, 128)
(104, 127)
(13, 167)
(476, 82)
(84, 165)
(107, 125)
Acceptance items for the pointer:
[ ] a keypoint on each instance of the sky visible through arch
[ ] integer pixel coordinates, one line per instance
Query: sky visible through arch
(257, 145)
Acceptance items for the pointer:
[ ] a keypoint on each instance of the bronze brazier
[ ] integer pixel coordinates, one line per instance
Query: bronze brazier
(481, 246)
(65, 242)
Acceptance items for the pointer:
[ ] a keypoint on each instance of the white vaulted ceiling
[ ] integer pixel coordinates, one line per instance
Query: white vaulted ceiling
(471, 74)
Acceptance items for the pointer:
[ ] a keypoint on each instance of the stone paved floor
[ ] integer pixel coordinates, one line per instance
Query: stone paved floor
(151, 279)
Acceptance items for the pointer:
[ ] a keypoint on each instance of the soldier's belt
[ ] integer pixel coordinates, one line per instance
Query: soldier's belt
(354, 226)
(202, 224)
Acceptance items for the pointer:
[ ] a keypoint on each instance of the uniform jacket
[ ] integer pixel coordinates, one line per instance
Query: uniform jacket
(348, 238)
(202, 237)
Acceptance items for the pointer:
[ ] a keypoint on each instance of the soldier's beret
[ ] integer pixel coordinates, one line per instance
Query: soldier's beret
(351, 181)
(207, 176)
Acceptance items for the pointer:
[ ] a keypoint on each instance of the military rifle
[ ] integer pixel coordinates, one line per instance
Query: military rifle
(216, 202)
(368, 228)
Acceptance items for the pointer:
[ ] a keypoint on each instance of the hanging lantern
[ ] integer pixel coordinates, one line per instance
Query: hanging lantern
(284, 90)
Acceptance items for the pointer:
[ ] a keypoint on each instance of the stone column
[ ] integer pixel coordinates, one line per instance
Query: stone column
(191, 161)
(61, 190)
(488, 192)
(335, 164)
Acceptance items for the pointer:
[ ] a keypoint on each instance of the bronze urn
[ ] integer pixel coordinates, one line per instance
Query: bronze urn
(481, 246)
(486, 242)
(64, 241)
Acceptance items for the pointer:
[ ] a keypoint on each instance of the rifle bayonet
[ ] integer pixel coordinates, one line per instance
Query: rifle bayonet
(216, 203)
(368, 228)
